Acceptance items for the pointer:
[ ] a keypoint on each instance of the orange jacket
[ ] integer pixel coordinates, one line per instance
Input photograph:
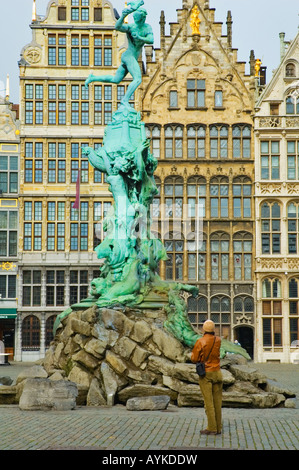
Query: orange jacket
(202, 348)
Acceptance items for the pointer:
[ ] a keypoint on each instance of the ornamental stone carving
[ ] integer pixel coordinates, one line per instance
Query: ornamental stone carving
(32, 55)
(271, 263)
(293, 188)
(271, 188)
(270, 121)
(292, 122)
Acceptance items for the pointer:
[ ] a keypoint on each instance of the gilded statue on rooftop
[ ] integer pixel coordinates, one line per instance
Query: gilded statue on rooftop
(195, 20)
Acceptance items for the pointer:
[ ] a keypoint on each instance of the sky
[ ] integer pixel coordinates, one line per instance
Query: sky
(256, 26)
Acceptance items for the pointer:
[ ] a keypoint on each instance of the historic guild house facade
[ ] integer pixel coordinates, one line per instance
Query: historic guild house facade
(227, 172)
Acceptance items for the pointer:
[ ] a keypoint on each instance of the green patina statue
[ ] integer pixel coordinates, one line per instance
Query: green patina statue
(131, 252)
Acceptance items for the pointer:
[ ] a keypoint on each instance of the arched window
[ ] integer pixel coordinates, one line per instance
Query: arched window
(294, 310)
(219, 197)
(196, 135)
(220, 314)
(218, 141)
(293, 226)
(242, 197)
(243, 310)
(242, 244)
(196, 191)
(241, 141)
(197, 310)
(153, 132)
(243, 304)
(220, 256)
(272, 309)
(173, 194)
(174, 245)
(31, 333)
(173, 141)
(290, 70)
(49, 329)
(271, 230)
(292, 104)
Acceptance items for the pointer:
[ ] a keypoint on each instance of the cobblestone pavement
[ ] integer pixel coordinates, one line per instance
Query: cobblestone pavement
(175, 429)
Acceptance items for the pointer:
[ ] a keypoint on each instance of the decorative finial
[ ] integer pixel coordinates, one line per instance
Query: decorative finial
(195, 20)
(7, 88)
(257, 67)
(34, 11)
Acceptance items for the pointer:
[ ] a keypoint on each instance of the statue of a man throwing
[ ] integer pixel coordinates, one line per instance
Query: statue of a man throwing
(139, 33)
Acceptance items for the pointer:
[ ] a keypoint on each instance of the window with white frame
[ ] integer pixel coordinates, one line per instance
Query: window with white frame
(8, 233)
(270, 227)
(270, 160)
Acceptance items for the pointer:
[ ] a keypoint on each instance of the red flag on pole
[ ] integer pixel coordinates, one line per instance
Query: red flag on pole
(77, 201)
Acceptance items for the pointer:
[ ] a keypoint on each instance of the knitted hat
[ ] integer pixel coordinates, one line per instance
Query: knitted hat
(208, 326)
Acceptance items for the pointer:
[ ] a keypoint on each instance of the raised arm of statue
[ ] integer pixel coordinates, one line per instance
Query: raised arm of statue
(134, 5)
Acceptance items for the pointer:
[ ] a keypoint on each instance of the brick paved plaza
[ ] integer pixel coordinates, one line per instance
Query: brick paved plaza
(176, 429)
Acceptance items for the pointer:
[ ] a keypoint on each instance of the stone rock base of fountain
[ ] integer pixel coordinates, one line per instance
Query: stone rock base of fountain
(114, 355)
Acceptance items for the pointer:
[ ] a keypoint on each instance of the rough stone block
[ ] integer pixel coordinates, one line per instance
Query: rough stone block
(6, 380)
(96, 348)
(80, 376)
(160, 365)
(85, 359)
(170, 346)
(247, 373)
(116, 362)
(112, 319)
(32, 372)
(150, 403)
(81, 327)
(95, 396)
(139, 356)
(141, 331)
(139, 390)
(44, 394)
(124, 347)
(276, 387)
(8, 395)
(185, 372)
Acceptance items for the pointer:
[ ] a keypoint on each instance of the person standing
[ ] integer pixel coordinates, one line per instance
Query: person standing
(207, 348)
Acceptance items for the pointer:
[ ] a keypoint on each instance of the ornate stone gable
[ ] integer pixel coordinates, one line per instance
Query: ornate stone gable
(206, 54)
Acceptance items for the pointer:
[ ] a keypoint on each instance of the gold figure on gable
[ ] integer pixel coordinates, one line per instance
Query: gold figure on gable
(195, 20)
(257, 67)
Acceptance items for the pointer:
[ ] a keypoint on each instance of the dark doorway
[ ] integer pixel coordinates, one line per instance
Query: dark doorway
(244, 335)
(7, 335)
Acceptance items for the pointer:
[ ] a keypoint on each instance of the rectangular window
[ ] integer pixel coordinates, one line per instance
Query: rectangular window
(218, 99)
(173, 99)
(62, 13)
(107, 113)
(270, 160)
(107, 51)
(75, 56)
(195, 93)
(98, 15)
(75, 14)
(29, 112)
